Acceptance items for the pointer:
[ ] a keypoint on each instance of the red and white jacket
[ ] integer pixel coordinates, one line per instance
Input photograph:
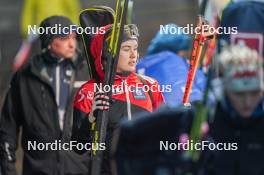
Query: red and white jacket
(131, 94)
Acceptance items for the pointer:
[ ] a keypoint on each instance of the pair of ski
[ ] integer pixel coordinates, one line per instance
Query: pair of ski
(99, 17)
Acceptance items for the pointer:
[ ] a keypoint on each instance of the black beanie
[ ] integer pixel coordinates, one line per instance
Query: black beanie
(53, 21)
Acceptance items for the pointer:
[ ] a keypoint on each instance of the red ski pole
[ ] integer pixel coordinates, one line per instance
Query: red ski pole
(198, 44)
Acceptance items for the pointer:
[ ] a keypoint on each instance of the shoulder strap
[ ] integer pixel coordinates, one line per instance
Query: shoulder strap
(145, 83)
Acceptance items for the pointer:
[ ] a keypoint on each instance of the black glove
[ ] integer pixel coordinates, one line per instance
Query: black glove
(100, 102)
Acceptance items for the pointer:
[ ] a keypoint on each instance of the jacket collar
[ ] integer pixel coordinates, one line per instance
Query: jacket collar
(129, 76)
(40, 65)
(49, 58)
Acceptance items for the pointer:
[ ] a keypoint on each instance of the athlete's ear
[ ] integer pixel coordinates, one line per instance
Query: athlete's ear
(137, 57)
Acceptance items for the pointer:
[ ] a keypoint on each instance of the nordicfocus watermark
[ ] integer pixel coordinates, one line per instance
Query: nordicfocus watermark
(200, 146)
(123, 87)
(57, 145)
(57, 29)
(189, 29)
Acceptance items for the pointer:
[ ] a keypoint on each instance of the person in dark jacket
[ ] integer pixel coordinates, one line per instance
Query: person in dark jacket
(39, 101)
(238, 118)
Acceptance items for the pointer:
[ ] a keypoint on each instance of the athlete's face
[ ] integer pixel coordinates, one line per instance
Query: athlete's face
(128, 56)
(245, 102)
